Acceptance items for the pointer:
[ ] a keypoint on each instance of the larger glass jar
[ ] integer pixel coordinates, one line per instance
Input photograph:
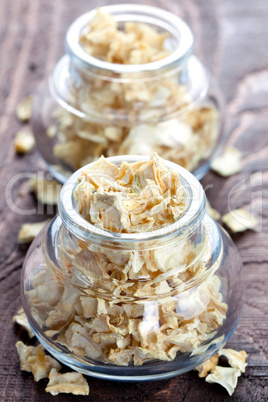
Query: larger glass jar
(94, 308)
(93, 107)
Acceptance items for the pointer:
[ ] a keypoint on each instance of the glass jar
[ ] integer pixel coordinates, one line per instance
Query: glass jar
(91, 107)
(133, 306)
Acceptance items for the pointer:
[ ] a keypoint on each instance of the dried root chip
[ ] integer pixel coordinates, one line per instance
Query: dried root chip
(225, 376)
(24, 108)
(24, 142)
(21, 319)
(212, 212)
(207, 366)
(235, 359)
(29, 231)
(52, 131)
(34, 360)
(239, 220)
(68, 383)
(46, 191)
(228, 163)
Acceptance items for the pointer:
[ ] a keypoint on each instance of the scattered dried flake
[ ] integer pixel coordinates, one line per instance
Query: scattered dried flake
(236, 359)
(21, 319)
(228, 163)
(52, 131)
(46, 191)
(213, 212)
(24, 141)
(29, 231)
(34, 360)
(225, 376)
(24, 109)
(68, 383)
(239, 220)
(207, 366)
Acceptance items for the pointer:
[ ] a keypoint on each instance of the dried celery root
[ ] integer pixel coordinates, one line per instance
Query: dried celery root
(225, 376)
(239, 220)
(68, 383)
(34, 360)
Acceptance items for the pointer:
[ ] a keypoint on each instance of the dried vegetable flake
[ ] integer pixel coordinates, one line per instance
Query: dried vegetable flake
(34, 360)
(24, 142)
(29, 231)
(68, 383)
(46, 191)
(21, 319)
(225, 376)
(228, 163)
(239, 220)
(24, 109)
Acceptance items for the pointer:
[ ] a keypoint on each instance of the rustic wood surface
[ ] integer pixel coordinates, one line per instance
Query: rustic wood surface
(232, 41)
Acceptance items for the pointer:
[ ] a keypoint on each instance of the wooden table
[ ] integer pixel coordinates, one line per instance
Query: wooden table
(231, 38)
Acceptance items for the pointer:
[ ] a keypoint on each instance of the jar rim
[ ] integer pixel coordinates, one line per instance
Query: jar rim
(187, 223)
(155, 14)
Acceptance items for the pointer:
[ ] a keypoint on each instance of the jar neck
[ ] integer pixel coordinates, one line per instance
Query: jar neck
(132, 94)
(182, 228)
(180, 41)
(126, 95)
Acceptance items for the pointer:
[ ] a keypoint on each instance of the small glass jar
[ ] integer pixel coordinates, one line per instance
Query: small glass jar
(92, 107)
(93, 305)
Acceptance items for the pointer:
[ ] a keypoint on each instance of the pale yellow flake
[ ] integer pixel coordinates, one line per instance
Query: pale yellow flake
(235, 359)
(113, 133)
(24, 108)
(34, 360)
(29, 231)
(239, 220)
(228, 163)
(52, 131)
(21, 319)
(120, 357)
(143, 355)
(46, 191)
(24, 141)
(207, 366)
(79, 341)
(68, 383)
(225, 376)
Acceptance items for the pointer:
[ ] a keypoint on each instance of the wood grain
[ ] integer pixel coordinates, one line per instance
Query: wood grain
(232, 41)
